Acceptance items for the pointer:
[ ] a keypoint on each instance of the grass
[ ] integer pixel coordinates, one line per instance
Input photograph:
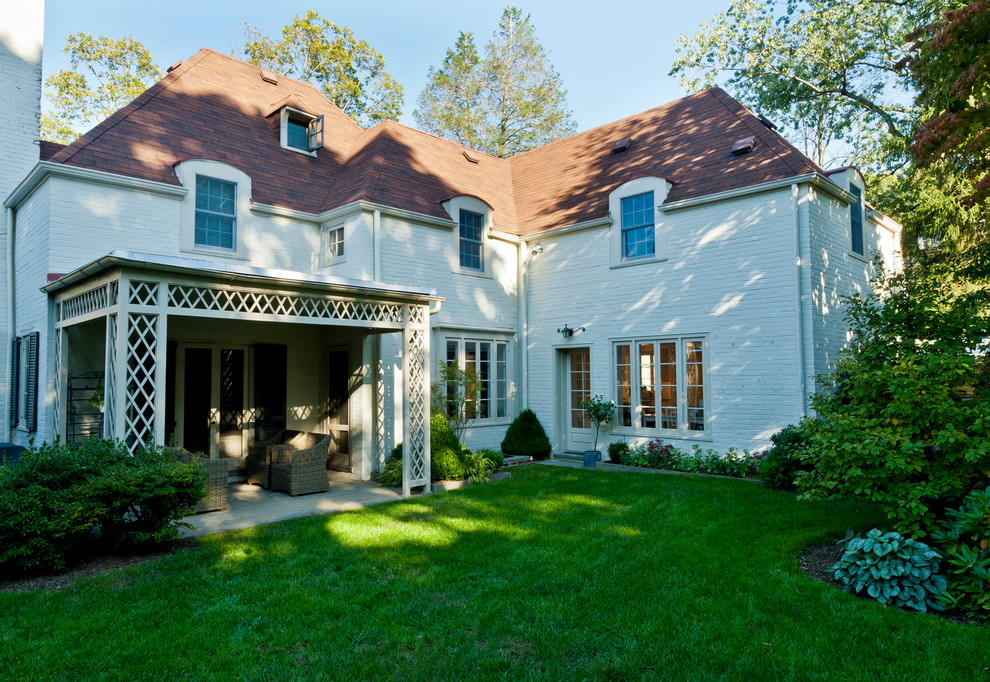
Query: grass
(563, 574)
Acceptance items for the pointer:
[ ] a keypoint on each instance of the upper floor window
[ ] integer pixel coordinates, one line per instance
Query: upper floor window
(216, 215)
(333, 244)
(857, 244)
(301, 131)
(471, 229)
(637, 226)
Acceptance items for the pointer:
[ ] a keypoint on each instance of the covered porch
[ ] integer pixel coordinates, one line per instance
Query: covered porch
(215, 356)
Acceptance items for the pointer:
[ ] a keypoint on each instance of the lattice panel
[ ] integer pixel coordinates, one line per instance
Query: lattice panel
(139, 381)
(143, 293)
(417, 365)
(324, 308)
(417, 315)
(114, 288)
(87, 302)
(380, 447)
(58, 382)
(110, 388)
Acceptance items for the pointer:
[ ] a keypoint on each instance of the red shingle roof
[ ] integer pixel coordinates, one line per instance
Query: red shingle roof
(214, 106)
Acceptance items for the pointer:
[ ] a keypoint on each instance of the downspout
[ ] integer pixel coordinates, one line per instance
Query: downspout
(522, 272)
(799, 302)
(376, 236)
(11, 318)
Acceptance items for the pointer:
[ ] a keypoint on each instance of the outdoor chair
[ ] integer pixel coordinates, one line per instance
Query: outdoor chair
(216, 481)
(300, 471)
(259, 457)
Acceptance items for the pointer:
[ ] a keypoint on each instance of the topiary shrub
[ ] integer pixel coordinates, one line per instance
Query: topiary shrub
(965, 541)
(526, 437)
(447, 464)
(441, 435)
(617, 450)
(893, 570)
(782, 462)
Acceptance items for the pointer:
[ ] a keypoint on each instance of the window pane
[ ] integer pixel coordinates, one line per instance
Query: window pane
(484, 376)
(695, 386)
(856, 217)
(471, 229)
(637, 226)
(297, 135)
(214, 222)
(647, 387)
(580, 380)
(668, 385)
(501, 381)
(623, 387)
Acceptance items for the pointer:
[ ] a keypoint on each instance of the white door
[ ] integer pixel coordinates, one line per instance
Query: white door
(577, 388)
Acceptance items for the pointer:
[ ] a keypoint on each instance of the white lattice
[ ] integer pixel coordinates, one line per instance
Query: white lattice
(87, 302)
(110, 388)
(139, 381)
(58, 382)
(325, 308)
(143, 293)
(416, 441)
(114, 287)
(380, 424)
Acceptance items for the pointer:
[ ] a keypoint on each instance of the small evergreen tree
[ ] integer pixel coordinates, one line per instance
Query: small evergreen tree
(526, 437)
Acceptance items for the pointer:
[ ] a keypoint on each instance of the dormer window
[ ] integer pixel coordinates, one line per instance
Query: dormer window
(301, 132)
(471, 226)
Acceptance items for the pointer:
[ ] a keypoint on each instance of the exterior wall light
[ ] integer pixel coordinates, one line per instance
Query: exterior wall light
(567, 332)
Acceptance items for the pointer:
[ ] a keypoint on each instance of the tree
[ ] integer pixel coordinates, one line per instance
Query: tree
(106, 75)
(349, 71)
(951, 67)
(508, 102)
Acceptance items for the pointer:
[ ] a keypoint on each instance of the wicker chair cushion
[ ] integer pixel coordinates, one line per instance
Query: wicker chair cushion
(304, 441)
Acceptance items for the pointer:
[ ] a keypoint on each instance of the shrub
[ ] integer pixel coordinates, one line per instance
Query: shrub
(617, 450)
(660, 456)
(965, 542)
(526, 437)
(892, 569)
(441, 434)
(391, 474)
(479, 467)
(54, 498)
(494, 456)
(447, 464)
(782, 462)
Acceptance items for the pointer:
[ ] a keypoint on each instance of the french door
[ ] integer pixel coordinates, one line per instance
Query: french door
(211, 399)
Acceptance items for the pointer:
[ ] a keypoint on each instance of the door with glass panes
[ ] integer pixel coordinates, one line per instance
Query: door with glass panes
(210, 399)
(577, 389)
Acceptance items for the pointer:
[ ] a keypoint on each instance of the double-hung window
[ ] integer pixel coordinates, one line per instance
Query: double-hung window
(471, 229)
(660, 386)
(638, 240)
(486, 367)
(856, 221)
(215, 213)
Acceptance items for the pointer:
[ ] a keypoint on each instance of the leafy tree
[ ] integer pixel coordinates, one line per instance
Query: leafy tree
(950, 64)
(349, 71)
(106, 75)
(909, 424)
(508, 102)
(455, 396)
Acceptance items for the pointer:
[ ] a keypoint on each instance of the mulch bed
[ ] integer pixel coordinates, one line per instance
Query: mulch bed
(91, 566)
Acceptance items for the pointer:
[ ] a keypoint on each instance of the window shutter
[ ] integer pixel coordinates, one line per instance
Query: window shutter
(15, 363)
(31, 394)
(315, 133)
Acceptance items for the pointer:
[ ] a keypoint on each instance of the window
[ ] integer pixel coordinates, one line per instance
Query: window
(856, 221)
(660, 386)
(301, 131)
(215, 213)
(637, 226)
(333, 244)
(471, 229)
(24, 382)
(488, 360)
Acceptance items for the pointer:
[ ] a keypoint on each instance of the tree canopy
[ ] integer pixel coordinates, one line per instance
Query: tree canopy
(106, 75)
(505, 103)
(349, 71)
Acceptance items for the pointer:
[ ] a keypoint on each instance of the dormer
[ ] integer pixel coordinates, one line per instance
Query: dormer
(299, 130)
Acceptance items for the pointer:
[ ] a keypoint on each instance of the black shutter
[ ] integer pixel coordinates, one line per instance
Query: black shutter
(15, 364)
(31, 397)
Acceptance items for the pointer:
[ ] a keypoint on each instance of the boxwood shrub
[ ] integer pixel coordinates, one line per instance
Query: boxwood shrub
(527, 437)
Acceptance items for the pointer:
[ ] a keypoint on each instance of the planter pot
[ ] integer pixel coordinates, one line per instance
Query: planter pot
(590, 458)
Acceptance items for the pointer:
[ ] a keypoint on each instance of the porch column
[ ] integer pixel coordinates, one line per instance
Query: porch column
(140, 341)
(110, 388)
(416, 399)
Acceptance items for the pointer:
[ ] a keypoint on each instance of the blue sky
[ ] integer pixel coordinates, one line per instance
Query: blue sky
(613, 56)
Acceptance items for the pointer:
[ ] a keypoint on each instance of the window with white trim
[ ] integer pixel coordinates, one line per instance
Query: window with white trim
(660, 386)
(333, 244)
(489, 361)
(216, 214)
(637, 234)
(300, 131)
(471, 228)
(637, 227)
(857, 243)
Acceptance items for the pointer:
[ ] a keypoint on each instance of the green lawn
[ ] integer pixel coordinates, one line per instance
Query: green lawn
(562, 574)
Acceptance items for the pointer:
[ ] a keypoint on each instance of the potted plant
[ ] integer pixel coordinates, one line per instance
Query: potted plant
(599, 410)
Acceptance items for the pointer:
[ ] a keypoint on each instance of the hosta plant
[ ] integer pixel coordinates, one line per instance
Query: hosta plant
(893, 569)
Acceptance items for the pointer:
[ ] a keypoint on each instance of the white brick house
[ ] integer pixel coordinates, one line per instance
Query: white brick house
(230, 254)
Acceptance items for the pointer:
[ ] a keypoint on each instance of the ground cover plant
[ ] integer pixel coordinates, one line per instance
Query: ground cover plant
(556, 573)
(655, 454)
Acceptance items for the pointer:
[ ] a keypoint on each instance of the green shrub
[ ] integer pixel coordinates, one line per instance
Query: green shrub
(494, 456)
(479, 467)
(617, 450)
(441, 435)
(782, 462)
(55, 498)
(965, 543)
(893, 570)
(447, 464)
(391, 474)
(526, 437)
(660, 456)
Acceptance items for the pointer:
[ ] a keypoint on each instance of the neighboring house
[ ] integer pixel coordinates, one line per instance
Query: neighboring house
(229, 255)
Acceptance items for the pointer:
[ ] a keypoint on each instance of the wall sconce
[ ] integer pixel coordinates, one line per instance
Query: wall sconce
(538, 250)
(567, 332)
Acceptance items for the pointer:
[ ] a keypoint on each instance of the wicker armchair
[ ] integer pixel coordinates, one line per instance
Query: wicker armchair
(259, 457)
(216, 481)
(300, 471)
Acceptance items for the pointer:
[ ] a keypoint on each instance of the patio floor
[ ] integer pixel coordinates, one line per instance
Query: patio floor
(250, 505)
